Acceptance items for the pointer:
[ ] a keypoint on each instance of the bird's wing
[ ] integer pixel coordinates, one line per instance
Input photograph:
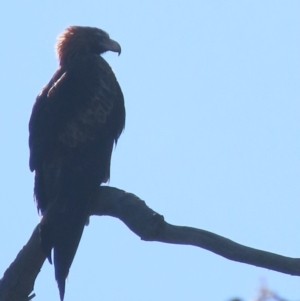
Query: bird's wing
(74, 108)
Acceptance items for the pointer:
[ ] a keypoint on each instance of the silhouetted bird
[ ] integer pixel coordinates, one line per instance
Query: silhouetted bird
(76, 120)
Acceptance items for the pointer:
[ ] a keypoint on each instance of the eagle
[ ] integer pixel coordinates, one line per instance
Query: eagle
(76, 120)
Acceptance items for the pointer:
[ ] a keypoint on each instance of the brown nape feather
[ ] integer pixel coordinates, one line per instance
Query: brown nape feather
(75, 122)
(75, 41)
(78, 41)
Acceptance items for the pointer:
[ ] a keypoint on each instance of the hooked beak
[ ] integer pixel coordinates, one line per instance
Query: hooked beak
(113, 46)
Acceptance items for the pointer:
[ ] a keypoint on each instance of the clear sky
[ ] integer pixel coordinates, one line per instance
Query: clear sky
(211, 141)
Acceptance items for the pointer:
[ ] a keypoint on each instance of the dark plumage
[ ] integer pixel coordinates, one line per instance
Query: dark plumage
(76, 119)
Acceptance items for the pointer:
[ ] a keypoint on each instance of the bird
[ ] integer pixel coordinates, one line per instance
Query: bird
(76, 121)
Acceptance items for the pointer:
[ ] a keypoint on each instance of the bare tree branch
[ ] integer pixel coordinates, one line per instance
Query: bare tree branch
(18, 280)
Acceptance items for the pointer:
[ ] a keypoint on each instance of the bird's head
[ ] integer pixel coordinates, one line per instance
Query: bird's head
(78, 41)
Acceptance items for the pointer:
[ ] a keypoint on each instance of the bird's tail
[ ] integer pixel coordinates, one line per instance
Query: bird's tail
(62, 226)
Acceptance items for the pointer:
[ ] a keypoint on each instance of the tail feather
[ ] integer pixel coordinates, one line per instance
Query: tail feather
(63, 234)
(62, 227)
(64, 191)
(61, 282)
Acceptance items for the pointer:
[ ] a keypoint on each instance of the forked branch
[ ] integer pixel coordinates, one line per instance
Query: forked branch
(18, 280)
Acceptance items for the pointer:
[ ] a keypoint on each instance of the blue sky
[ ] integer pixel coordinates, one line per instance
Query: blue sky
(211, 141)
